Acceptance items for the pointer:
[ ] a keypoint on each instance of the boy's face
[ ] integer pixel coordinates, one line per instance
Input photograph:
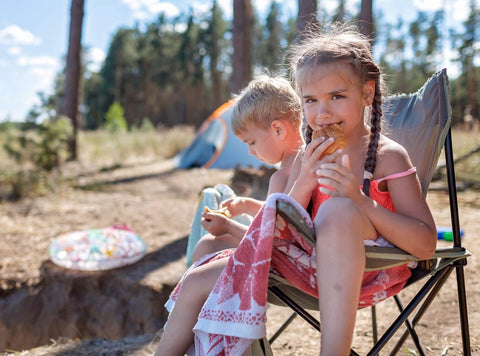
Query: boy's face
(262, 143)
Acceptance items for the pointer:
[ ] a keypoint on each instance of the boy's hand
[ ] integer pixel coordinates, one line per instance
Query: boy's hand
(236, 206)
(215, 223)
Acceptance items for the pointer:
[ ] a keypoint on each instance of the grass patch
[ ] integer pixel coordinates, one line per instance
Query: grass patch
(464, 142)
(108, 149)
(98, 151)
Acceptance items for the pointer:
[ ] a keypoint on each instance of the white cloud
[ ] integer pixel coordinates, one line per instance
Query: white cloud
(42, 77)
(227, 7)
(95, 56)
(458, 10)
(144, 9)
(428, 5)
(14, 35)
(40, 61)
(199, 7)
(262, 6)
(329, 5)
(14, 51)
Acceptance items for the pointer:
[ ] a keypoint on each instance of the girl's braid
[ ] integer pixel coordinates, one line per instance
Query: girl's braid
(308, 134)
(375, 129)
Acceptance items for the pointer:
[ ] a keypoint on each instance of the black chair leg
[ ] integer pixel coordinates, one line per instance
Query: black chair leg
(410, 328)
(282, 328)
(373, 310)
(300, 311)
(424, 292)
(295, 307)
(462, 304)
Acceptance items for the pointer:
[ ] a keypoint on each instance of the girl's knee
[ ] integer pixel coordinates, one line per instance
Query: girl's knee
(337, 209)
(340, 215)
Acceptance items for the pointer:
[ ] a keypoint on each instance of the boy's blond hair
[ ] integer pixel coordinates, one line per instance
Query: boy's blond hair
(265, 99)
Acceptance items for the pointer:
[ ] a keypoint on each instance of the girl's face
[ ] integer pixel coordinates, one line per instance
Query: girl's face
(262, 143)
(332, 93)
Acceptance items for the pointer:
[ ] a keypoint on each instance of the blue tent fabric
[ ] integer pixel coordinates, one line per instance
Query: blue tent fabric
(202, 148)
(215, 146)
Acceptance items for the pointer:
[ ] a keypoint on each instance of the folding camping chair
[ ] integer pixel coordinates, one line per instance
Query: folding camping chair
(421, 123)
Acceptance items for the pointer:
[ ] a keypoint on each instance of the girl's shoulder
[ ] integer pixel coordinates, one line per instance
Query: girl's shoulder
(392, 157)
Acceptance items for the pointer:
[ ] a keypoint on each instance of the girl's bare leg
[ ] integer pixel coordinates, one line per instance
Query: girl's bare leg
(178, 334)
(341, 228)
(210, 243)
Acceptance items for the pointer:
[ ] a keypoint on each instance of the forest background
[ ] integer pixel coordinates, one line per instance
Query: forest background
(173, 72)
(157, 84)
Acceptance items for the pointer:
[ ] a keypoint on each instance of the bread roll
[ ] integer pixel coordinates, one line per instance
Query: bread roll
(336, 132)
(223, 211)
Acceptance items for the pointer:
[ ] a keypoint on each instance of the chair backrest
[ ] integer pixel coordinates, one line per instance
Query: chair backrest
(420, 122)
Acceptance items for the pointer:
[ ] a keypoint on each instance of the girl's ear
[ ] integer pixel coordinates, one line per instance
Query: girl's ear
(369, 92)
(279, 127)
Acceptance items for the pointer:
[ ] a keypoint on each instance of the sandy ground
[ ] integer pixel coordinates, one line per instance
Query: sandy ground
(159, 203)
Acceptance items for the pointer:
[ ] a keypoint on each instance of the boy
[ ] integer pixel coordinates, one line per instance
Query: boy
(267, 116)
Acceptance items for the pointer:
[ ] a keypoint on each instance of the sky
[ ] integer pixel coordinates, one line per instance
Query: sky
(34, 35)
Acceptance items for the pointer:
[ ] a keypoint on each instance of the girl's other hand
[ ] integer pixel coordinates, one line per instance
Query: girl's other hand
(340, 179)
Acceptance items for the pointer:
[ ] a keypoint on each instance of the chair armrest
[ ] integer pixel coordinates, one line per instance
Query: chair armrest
(380, 257)
(291, 214)
(377, 257)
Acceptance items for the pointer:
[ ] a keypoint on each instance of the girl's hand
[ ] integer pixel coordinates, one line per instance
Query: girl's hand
(340, 178)
(216, 224)
(306, 180)
(312, 161)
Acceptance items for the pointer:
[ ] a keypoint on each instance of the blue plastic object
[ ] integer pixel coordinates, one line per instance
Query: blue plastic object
(446, 233)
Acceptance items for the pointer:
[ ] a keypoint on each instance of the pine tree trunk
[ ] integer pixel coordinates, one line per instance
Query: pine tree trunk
(365, 20)
(72, 73)
(307, 16)
(242, 44)
(216, 81)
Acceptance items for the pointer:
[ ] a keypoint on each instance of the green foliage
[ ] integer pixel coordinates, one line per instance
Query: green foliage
(24, 183)
(35, 152)
(177, 70)
(43, 148)
(146, 125)
(115, 119)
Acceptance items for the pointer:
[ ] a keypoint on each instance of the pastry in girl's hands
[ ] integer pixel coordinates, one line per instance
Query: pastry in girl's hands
(336, 132)
(223, 211)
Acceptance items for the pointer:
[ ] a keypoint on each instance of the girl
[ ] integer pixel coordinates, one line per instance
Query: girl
(367, 193)
(340, 83)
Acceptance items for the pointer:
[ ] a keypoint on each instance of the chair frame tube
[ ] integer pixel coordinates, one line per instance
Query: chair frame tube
(457, 242)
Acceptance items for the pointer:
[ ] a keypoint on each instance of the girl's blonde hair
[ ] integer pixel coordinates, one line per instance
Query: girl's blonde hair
(265, 99)
(343, 44)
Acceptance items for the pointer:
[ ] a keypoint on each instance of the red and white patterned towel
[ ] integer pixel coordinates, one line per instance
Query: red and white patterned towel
(235, 312)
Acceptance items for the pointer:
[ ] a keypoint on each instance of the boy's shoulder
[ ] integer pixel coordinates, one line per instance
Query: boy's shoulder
(278, 181)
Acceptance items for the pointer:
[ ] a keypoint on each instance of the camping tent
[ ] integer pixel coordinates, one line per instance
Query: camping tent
(215, 145)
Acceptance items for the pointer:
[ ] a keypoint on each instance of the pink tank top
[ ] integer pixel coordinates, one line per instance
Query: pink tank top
(381, 197)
